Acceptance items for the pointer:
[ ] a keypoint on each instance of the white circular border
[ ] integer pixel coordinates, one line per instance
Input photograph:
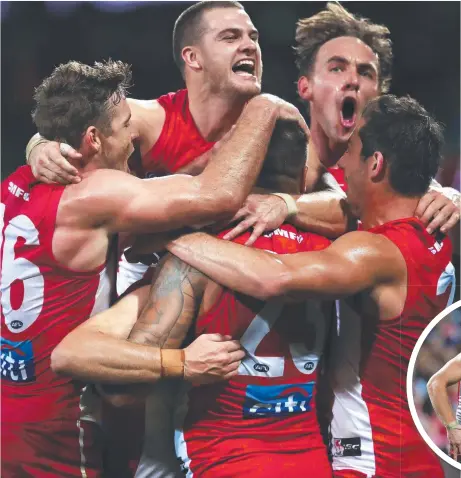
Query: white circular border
(411, 368)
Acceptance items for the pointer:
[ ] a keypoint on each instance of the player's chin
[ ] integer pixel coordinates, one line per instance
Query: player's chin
(247, 88)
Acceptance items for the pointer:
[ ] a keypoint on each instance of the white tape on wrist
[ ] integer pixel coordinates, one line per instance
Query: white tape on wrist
(290, 202)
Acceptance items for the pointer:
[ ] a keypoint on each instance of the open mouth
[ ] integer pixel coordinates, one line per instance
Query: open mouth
(245, 68)
(348, 113)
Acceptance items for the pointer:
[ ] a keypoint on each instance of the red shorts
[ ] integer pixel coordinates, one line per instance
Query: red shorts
(50, 450)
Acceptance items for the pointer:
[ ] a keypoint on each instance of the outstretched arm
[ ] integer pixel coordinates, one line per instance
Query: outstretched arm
(437, 387)
(355, 262)
(123, 203)
(107, 348)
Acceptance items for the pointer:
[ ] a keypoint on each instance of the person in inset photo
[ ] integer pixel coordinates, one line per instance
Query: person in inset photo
(449, 375)
(436, 385)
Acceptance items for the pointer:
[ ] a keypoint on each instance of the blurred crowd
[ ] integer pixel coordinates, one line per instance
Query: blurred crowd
(441, 345)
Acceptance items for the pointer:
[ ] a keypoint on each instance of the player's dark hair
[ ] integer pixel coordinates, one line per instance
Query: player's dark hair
(410, 140)
(333, 22)
(286, 155)
(76, 96)
(189, 28)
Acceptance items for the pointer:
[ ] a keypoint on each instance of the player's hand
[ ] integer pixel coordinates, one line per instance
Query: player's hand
(454, 438)
(262, 213)
(49, 164)
(439, 210)
(211, 358)
(285, 110)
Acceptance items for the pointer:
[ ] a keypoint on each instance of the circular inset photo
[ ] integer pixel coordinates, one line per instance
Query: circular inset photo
(433, 385)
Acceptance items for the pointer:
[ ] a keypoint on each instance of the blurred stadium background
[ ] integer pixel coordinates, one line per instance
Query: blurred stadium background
(441, 345)
(36, 36)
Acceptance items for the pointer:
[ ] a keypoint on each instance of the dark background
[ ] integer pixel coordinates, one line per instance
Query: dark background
(36, 36)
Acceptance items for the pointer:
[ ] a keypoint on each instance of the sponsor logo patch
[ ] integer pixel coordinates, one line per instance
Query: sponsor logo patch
(17, 359)
(346, 447)
(277, 400)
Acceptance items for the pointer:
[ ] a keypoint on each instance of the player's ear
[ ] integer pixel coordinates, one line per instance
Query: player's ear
(91, 142)
(192, 58)
(305, 88)
(377, 166)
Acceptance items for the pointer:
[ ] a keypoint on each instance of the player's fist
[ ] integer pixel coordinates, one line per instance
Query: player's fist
(211, 358)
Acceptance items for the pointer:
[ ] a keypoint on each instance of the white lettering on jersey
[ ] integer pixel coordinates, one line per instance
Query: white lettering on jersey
(17, 191)
(286, 234)
(20, 269)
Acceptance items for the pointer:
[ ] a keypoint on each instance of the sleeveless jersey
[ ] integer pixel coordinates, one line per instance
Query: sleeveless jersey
(41, 302)
(263, 422)
(372, 429)
(180, 142)
(178, 145)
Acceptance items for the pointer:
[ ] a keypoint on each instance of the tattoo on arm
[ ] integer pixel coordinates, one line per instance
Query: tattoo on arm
(173, 303)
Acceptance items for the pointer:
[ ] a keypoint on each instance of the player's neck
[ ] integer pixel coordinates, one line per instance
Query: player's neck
(213, 115)
(88, 165)
(385, 207)
(328, 151)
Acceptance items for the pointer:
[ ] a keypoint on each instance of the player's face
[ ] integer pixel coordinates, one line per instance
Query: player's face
(118, 146)
(355, 171)
(229, 52)
(344, 79)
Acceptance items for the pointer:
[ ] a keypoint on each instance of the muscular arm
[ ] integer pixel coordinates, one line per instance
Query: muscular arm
(437, 389)
(355, 262)
(121, 202)
(325, 212)
(115, 347)
(172, 305)
(97, 350)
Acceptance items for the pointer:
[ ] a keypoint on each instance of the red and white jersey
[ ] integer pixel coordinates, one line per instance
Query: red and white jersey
(372, 429)
(338, 174)
(41, 302)
(264, 419)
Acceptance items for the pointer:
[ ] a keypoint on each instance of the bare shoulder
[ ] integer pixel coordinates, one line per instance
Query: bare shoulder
(367, 247)
(90, 198)
(148, 117)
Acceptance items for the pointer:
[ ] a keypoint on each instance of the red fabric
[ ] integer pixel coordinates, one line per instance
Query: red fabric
(180, 142)
(42, 302)
(224, 436)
